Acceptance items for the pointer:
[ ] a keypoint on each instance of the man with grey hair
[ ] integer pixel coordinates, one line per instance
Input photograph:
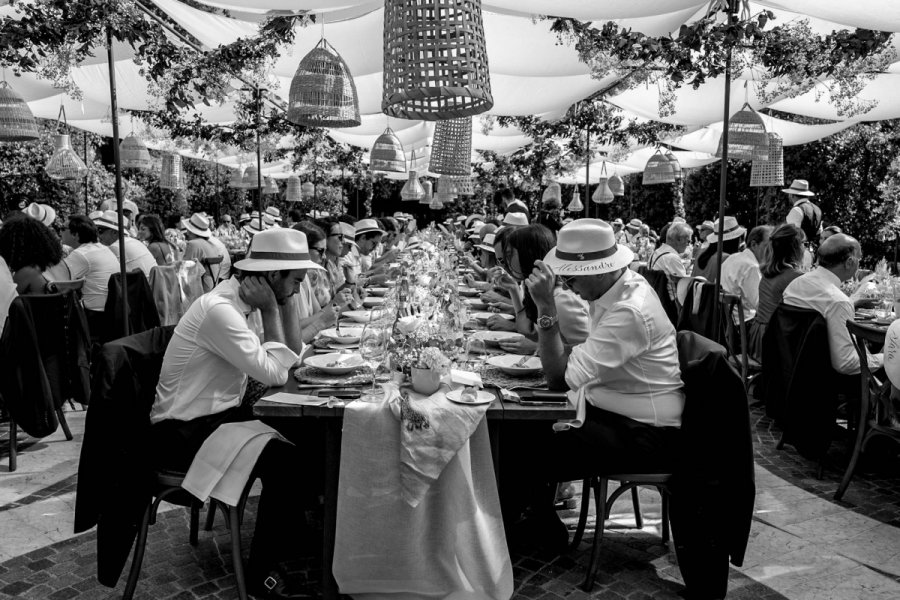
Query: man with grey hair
(667, 258)
(820, 290)
(740, 271)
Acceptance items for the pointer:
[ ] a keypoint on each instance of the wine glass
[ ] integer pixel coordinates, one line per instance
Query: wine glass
(475, 354)
(373, 343)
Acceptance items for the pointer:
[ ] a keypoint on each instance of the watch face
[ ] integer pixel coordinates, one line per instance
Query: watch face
(544, 322)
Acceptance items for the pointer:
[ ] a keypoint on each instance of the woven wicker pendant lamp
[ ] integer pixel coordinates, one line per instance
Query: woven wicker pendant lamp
(292, 192)
(412, 189)
(17, 124)
(170, 175)
(270, 187)
(451, 152)
(133, 153)
(435, 60)
(323, 93)
(770, 171)
(616, 185)
(746, 136)
(237, 178)
(603, 194)
(552, 193)
(428, 195)
(250, 181)
(658, 170)
(64, 164)
(676, 166)
(575, 205)
(461, 186)
(387, 153)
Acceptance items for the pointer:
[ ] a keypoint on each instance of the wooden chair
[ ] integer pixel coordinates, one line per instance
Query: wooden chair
(736, 337)
(604, 503)
(875, 409)
(208, 263)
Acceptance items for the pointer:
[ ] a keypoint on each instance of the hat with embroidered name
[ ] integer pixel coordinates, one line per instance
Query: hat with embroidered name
(799, 187)
(277, 249)
(731, 230)
(587, 247)
(109, 219)
(892, 353)
(634, 225)
(367, 226)
(515, 219)
(42, 212)
(198, 225)
(487, 244)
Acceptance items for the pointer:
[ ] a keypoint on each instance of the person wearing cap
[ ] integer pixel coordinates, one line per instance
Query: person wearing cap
(667, 258)
(803, 213)
(137, 256)
(200, 246)
(204, 378)
(703, 230)
(92, 261)
(740, 271)
(820, 290)
(625, 378)
(707, 265)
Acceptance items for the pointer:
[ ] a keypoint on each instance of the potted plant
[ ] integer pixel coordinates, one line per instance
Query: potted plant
(426, 371)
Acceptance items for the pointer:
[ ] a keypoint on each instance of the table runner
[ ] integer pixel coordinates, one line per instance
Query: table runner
(451, 545)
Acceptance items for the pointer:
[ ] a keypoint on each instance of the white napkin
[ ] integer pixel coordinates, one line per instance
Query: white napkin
(460, 377)
(579, 401)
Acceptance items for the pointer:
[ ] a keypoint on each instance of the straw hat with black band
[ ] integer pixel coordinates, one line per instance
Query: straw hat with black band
(367, 226)
(587, 247)
(799, 187)
(42, 212)
(731, 230)
(198, 225)
(278, 249)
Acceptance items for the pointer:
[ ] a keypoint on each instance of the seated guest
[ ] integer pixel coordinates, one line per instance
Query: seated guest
(151, 233)
(667, 258)
(780, 266)
(828, 232)
(175, 232)
(368, 234)
(515, 219)
(227, 228)
(199, 246)
(740, 272)
(205, 376)
(820, 290)
(273, 212)
(89, 260)
(619, 229)
(43, 213)
(137, 256)
(707, 265)
(29, 248)
(626, 376)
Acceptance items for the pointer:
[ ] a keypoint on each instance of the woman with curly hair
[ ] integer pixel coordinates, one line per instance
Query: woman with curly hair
(29, 248)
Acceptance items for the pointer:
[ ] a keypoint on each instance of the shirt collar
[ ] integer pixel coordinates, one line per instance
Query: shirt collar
(796, 202)
(663, 247)
(828, 276)
(605, 301)
(233, 288)
(750, 256)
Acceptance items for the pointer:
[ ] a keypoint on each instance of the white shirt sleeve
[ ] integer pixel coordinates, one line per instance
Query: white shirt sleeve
(78, 265)
(795, 216)
(843, 355)
(226, 333)
(671, 265)
(749, 283)
(574, 318)
(622, 337)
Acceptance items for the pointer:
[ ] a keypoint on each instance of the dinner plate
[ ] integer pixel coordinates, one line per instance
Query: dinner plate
(373, 301)
(483, 397)
(476, 303)
(493, 338)
(482, 317)
(508, 364)
(335, 363)
(360, 316)
(377, 291)
(347, 335)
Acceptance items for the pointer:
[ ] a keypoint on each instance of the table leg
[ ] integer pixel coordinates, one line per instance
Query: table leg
(332, 471)
(494, 435)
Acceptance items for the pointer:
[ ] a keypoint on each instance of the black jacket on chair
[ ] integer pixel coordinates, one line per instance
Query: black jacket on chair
(115, 473)
(24, 385)
(142, 313)
(713, 489)
(697, 311)
(661, 284)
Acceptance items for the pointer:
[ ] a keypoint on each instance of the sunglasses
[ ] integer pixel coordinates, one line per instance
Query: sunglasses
(321, 251)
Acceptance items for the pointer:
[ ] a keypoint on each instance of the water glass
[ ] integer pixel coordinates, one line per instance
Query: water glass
(373, 344)
(475, 355)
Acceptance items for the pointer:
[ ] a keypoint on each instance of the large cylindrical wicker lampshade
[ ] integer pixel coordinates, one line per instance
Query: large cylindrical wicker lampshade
(250, 181)
(771, 171)
(658, 170)
(435, 60)
(323, 93)
(428, 194)
(65, 164)
(746, 136)
(676, 166)
(17, 124)
(170, 175)
(451, 152)
(292, 193)
(133, 154)
(387, 153)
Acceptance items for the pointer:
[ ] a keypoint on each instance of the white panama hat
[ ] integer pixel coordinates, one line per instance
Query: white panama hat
(42, 212)
(198, 225)
(516, 219)
(278, 249)
(587, 247)
(109, 219)
(892, 353)
(487, 244)
(367, 226)
(799, 187)
(732, 230)
(273, 212)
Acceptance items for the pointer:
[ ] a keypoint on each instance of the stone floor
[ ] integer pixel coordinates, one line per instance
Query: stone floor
(803, 544)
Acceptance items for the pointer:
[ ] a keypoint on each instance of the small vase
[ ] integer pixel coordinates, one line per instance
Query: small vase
(425, 381)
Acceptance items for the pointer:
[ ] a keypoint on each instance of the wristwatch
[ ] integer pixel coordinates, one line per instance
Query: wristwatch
(546, 321)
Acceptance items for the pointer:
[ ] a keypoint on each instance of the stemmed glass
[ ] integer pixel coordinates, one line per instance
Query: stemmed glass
(475, 354)
(373, 344)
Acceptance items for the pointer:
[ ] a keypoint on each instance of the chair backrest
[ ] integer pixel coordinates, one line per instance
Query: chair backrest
(698, 311)
(662, 285)
(875, 401)
(63, 286)
(142, 314)
(735, 333)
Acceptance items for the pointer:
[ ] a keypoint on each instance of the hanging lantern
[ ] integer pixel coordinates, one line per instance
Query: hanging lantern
(616, 185)
(602, 195)
(237, 178)
(133, 154)
(658, 170)
(451, 152)
(435, 60)
(387, 154)
(746, 136)
(170, 175)
(770, 171)
(270, 186)
(323, 93)
(412, 189)
(250, 180)
(445, 191)
(64, 164)
(307, 190)
(427, 196)
(17, 124)
(552, 194)
(575, 205)
(293, 192)
(676, 166)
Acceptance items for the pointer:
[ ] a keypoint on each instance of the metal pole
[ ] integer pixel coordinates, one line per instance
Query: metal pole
(723, 179)
(587, 174)
(115, 144)
(87, 178)
(259, 205)
(218, 215)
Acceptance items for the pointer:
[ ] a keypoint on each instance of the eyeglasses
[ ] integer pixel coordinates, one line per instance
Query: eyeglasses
(321, 251)
(338, 234)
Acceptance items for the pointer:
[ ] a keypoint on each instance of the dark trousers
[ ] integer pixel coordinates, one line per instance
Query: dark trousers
(535, 458)
(289, 488)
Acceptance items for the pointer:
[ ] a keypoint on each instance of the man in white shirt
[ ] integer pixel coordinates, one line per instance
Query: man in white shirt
(89, 260)
(199, 246)
(204, 378)
(667, 258)
(626, 375)
(137, 256)
(741, 274)
(819, 290)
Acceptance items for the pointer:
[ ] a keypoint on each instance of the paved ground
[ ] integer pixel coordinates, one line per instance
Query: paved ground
(803, 545)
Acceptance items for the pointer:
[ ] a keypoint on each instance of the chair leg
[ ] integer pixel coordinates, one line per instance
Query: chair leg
(665, 515)
(210, 517)
(65, 425)
(582, 517)
(234, 524)
(600, 507)
(139, 547)
(854, 458)
(780, 445)
(636, 502)
(13, 445)
(195, 523)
